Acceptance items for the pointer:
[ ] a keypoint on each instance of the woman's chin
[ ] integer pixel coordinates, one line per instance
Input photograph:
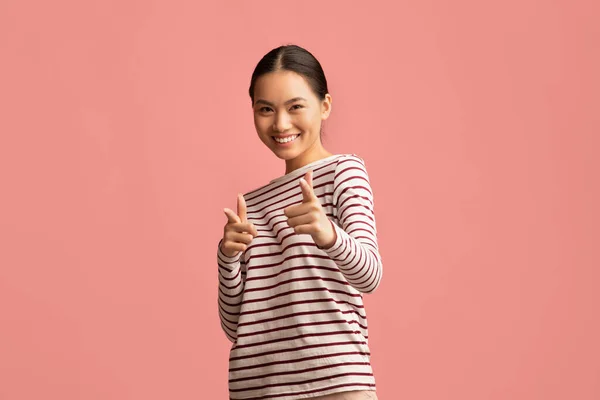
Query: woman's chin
(284, 154)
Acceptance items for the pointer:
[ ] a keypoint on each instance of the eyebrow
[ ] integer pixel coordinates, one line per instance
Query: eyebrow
(261, 101)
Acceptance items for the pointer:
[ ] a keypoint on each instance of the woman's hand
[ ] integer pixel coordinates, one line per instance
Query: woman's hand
(309, 216)
(238, 232)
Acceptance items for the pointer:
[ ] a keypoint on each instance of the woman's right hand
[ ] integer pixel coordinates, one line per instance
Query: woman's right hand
(238, 232)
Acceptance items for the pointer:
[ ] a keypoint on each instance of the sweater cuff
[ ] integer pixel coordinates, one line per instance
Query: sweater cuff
(229, 263)
(339, 232)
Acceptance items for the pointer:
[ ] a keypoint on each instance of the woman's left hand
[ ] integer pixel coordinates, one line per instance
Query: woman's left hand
(309, 216)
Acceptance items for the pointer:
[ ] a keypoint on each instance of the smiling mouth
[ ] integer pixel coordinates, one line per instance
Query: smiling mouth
(296, 136)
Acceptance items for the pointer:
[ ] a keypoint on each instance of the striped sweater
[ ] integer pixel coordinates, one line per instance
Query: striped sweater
(292, 309)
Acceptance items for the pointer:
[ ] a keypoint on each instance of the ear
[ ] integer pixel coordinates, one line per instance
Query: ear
(326, 107)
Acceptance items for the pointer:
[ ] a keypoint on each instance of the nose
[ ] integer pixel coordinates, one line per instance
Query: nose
(282, 122)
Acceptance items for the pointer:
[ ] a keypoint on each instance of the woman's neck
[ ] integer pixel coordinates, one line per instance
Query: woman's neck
(305, 158)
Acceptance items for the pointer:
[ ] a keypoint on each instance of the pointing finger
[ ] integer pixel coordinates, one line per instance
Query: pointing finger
(241, 208)
(308, 193)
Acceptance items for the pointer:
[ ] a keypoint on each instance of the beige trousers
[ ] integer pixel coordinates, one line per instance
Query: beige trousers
(352, 395)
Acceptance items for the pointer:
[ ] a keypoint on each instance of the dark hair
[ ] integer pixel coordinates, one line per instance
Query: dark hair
(292, 58)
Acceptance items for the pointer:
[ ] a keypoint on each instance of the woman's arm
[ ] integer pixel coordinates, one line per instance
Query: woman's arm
(355, 249)
(231, 286)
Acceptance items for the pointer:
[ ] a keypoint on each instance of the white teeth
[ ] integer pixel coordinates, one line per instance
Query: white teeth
(288, 139)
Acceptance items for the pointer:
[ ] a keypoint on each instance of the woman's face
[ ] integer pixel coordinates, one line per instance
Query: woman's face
(284, 106)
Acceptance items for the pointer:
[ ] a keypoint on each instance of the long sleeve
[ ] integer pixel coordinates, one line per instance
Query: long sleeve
(355, 250)
(231, 287)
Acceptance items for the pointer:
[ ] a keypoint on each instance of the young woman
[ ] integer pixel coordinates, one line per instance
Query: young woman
(296, 258)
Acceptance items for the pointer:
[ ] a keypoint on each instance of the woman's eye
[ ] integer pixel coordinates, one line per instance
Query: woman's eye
(267, 109)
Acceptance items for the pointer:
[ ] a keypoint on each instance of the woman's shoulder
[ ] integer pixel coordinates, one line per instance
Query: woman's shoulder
(348, 159)
(351, 156)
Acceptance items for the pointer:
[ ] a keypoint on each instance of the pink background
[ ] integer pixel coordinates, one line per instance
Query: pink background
(126, 127)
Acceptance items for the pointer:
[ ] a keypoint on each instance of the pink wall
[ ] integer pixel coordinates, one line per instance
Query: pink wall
(126, 128)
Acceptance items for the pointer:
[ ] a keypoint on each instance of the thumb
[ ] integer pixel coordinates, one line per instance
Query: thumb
(231, 216)
(241, 208)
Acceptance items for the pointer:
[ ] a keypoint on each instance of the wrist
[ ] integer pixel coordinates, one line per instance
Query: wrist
(333, 237)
